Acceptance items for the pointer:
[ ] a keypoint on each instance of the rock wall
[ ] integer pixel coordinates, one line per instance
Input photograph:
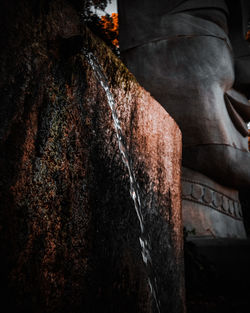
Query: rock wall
(69, 233)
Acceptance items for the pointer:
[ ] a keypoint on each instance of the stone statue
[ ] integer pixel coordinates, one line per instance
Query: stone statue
(192, 57)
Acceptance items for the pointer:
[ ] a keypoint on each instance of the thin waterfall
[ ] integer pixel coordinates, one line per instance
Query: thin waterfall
(134, 187)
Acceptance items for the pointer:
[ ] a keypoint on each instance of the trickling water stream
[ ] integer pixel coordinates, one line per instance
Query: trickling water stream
(134, 187)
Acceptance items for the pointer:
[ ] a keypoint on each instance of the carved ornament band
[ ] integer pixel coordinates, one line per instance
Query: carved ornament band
(207, 196)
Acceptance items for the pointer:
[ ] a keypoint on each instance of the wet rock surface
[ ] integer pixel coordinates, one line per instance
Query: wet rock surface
(69, 231)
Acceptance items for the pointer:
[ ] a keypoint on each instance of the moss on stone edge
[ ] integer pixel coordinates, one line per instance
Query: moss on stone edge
(116, 72)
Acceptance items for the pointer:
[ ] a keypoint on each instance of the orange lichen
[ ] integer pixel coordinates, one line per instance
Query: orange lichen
(69, 92)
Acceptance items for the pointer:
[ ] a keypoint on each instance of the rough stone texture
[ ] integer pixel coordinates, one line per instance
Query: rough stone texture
(69, 231)
(193, 58)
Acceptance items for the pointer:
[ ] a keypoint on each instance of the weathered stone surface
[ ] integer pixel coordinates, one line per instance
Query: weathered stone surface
(184, 58)
(192, 56)
(69, 230)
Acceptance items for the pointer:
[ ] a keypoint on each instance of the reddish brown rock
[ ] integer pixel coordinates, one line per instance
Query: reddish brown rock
(69, 230)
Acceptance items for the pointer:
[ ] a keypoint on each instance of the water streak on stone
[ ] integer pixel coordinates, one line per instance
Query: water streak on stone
(134, 187)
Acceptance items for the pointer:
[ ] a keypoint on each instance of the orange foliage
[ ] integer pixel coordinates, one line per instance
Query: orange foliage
(110, 27)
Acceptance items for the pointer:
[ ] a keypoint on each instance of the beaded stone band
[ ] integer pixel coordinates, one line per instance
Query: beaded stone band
(207, 196)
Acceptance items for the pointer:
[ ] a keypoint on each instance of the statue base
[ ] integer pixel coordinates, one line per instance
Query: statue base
(210, 209)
